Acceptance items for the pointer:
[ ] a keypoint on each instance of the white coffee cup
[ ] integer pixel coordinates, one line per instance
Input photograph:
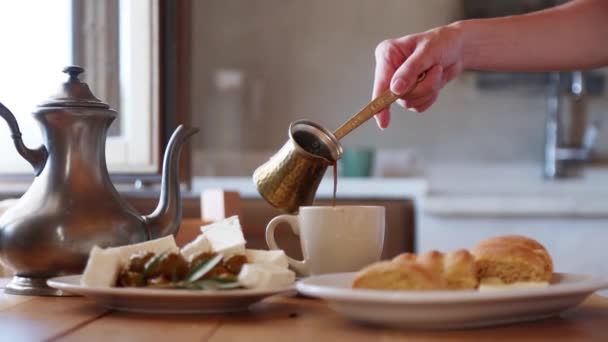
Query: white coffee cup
(334, 239)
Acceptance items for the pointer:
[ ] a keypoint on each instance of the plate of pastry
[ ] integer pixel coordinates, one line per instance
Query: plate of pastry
(501, 280)
(213, 273)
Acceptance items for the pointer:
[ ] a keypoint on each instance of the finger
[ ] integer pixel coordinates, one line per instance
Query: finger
(389, 55)
(431, 83)
(386, 54)
(402, 103)
(417, 102)
(422, 107)
(421, 104)
(411, 103)
(405, 76)
(382, 77)
(383, 118)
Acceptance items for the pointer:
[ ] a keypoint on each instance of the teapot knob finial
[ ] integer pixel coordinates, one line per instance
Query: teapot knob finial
(73, 71)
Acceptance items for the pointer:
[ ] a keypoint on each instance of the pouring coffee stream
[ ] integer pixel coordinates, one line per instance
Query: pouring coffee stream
(290, 178)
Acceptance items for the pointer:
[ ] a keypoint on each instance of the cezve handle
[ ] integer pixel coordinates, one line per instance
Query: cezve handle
(384, 100)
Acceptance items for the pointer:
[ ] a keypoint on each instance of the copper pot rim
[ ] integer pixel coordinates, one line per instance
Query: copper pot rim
(336, 150)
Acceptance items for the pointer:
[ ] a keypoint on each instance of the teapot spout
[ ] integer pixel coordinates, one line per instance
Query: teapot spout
(166, 217)
(36, 157)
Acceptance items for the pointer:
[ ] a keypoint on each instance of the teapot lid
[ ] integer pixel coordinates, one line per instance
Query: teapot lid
(74, 93)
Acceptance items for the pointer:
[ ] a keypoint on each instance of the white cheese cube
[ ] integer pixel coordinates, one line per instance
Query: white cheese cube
(160, 245)
(273, 257)
(261, 276)
(226, 237)
(102, 268)
(199, 245)
(104, 265)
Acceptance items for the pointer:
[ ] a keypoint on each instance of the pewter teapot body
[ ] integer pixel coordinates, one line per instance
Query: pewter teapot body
(72, 204)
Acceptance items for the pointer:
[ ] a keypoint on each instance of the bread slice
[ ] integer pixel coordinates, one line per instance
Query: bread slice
(390, 275)
(432, 261)
(405, 257)
(456, 270)
(460, 270)
(512, 258)
(433, 270)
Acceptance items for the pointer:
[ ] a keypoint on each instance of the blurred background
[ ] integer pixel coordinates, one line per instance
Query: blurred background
(258, 65)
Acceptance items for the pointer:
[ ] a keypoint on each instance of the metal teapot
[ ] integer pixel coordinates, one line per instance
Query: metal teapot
(72, 204)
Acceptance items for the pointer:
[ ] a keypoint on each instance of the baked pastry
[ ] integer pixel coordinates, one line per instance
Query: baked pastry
(396, 275)
(512, 258)
(432, 261)
(498, 262)
(429, 271)
(456, 269)
(460, 270)
(405, 257)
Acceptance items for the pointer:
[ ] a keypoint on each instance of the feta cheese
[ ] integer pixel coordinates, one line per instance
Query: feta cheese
(102, 268)
(199, 245)
(226, 237)
(104, 265)
(260, 276)
(160, 245)
(273, 257)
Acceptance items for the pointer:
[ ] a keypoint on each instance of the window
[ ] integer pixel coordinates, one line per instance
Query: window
(116, 41)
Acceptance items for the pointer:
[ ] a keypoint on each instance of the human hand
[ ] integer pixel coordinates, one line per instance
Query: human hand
(400, 61)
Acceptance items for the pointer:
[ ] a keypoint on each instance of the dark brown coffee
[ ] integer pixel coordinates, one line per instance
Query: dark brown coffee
(335, 167)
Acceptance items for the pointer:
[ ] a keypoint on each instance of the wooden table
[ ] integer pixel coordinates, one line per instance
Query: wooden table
(276, 319)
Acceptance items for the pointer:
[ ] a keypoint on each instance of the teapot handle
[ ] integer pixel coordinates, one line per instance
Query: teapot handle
(37, 157)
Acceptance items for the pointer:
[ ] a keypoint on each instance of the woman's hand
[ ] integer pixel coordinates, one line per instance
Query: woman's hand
(565, 37)
(400, 61)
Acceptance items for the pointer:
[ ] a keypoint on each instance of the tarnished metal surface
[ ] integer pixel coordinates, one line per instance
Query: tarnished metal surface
(72, 204)
(291, 177)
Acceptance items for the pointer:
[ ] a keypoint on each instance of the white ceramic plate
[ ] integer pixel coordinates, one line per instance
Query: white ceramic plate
(449, 309)
(167, 300)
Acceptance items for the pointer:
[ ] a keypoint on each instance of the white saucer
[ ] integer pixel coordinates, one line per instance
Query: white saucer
(449, 309)
(167, 300)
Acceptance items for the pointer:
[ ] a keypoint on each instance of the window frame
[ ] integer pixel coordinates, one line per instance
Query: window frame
(110, 38)
(171, 87)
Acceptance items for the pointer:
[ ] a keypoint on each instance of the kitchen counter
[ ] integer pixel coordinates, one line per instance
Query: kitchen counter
(514, 191)
(450, 189)
(348, 188)
(278, 318)
(521, 205)
(512, 179)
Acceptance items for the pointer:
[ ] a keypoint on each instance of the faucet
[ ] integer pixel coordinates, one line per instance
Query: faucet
(569, 138)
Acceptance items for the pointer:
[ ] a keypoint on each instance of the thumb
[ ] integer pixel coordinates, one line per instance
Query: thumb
(406, 75)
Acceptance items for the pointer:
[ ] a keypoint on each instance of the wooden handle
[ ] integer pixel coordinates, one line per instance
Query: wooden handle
(379, 103)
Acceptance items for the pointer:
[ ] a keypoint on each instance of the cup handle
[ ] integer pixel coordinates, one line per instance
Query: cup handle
(299, 266)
